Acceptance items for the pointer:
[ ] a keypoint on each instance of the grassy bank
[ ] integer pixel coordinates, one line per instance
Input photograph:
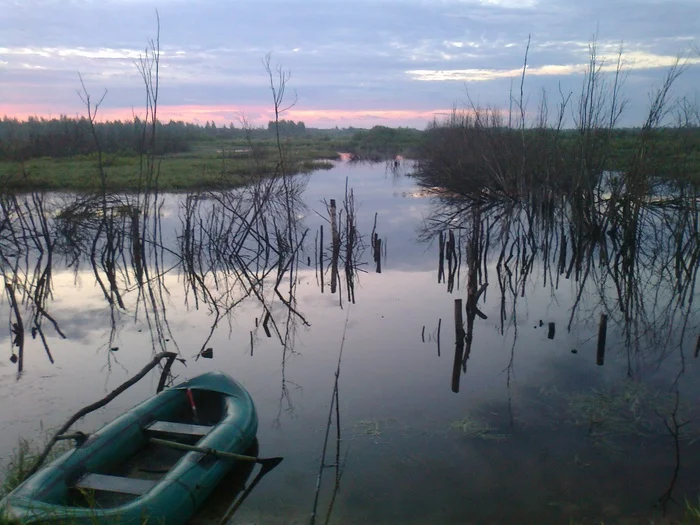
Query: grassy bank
(207, 166)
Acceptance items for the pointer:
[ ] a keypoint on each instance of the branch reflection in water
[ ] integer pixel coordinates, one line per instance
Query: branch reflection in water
(632, 262)
(231, 245)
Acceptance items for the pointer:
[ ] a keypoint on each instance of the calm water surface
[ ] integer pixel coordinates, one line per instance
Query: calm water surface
(526, 429)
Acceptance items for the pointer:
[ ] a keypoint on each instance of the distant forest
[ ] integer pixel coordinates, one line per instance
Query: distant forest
(69, 137)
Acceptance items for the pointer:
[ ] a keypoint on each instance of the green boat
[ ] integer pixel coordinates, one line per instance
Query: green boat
(129, 472)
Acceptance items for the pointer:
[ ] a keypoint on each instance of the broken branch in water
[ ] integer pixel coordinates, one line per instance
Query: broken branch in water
(334, 405)
(673, 428)
(17, 326)
(102, 402)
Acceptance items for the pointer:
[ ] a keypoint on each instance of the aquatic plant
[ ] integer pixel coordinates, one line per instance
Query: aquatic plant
(631, 409)
(369, 427)
(690, 517)
(23, 457)
(20, 463)
(476, 428)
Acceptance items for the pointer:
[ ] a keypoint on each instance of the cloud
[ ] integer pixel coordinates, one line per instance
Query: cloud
(366, 55)
(53, 53)
(631, 61)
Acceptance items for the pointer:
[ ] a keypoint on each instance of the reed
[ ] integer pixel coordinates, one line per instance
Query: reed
(568, 148)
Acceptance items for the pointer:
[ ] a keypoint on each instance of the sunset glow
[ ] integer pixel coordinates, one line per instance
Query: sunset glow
(351, 64)
(224, 115)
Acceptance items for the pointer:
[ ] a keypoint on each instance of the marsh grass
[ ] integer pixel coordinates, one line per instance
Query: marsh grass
(630, 410)
(692, 513)
(208, 166)
(613, 412)
(21, 461)
(691, 516)
(178, 173)
(23, 458)
(565, 149)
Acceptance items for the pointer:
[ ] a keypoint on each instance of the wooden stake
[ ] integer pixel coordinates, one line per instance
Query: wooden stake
(335, 236)
(320, 256)
(602, 332)
(459, 321)
(441, 261)
(459, 346)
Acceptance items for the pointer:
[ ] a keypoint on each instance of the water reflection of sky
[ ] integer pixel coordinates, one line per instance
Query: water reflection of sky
(405, 462)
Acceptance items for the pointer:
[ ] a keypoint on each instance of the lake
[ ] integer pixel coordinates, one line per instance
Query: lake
(519, 413)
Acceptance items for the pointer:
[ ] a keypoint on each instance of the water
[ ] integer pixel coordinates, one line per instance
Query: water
(536, 433)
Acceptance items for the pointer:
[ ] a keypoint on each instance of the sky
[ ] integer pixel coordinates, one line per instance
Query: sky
(351, 62)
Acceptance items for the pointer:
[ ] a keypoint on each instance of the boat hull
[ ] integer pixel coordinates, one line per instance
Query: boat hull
(46, 496)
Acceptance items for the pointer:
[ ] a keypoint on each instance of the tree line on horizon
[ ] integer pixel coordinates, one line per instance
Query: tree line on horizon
(69, 137)
(65, 136)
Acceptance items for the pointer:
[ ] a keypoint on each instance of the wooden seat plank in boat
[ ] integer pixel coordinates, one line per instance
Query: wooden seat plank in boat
(120, 484)
(185, 429)
(137, 477)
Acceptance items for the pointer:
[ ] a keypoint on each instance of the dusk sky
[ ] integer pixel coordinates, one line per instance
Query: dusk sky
(352, 62)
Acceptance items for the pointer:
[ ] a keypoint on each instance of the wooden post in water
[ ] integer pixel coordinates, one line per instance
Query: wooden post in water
(459, 321)
(602, 333)
(550, 333)
(441, 261)
(17, 327)
(697, 347)
(459, 346)
(336, 246)
(449, 255)
(378, 254)
(136, 247)
(438, 335)
(320, 256)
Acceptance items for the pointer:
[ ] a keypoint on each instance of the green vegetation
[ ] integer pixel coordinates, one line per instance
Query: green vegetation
(631, 409)
(461, 155)
(509, 154)
(67, 137)
(369, 427)
(381, 143)
(690, 517)
(62, 154)
(22, 460)
(20, 463)
(204, 167)
(217, 162)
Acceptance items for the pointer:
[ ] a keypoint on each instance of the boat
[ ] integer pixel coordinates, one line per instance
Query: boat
(157, 462)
